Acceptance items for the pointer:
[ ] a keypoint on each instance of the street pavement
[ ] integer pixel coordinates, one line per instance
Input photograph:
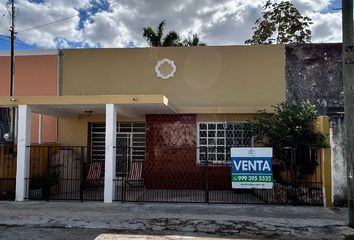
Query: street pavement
(35, 233)
(110, 221)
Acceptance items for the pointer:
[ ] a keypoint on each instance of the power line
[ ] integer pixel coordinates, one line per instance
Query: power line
(20, 42)
(4, 36)
(1, 24)
(47, 24)
(8, 39)
(4, 40)
(16, 43)
(3, 27)
(2, 18)
(64, 19)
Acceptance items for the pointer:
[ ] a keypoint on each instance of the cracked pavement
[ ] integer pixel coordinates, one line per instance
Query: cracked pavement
(274, 222)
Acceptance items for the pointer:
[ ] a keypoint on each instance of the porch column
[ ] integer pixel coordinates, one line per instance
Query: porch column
(110, 153)
(23, 152)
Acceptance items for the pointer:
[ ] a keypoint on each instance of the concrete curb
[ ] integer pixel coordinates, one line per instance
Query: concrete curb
(271, 221)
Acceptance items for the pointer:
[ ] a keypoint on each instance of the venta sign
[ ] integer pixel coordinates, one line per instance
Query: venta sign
(251, 168)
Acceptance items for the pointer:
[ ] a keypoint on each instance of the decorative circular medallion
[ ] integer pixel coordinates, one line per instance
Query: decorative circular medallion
(171, 72)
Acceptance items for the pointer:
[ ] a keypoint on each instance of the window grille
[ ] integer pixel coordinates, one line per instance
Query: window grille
(216, 138)
(135, 130)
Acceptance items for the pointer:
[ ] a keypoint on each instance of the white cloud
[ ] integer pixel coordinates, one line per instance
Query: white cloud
(107, 31)
(327, 27)
(308, 6)
(220, 22)
(4, 20)
(30, 14)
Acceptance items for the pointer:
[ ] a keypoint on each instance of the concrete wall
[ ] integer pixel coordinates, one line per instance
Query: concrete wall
(339, 166)
(314, 72)
(205, 76)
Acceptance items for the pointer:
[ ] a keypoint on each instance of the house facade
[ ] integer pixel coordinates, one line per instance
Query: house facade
(35, 74)
(214, 92)
(174, 109)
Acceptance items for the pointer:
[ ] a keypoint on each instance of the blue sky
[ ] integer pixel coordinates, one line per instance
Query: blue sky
(335, 4)
(119, 23)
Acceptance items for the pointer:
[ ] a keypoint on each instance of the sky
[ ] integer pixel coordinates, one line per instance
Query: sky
(119, 23)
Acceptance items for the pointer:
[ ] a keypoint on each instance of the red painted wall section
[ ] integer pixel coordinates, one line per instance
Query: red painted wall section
(34, 129)
(171, 155)
(35, 75)
(49, 129)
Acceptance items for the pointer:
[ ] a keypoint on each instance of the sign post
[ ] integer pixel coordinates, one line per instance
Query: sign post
(251, 168)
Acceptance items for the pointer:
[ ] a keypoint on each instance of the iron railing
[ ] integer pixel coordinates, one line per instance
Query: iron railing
(203, 175)
(171, 174)
(63, 173)
(7, 172)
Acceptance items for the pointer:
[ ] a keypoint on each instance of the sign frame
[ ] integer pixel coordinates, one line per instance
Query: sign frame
(251, 167)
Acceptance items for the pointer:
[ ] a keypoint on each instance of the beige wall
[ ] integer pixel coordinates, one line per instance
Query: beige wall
(206, 76)
(229, 77)
(74, 132)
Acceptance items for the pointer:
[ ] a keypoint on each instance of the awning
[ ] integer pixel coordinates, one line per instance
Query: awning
(73, 106)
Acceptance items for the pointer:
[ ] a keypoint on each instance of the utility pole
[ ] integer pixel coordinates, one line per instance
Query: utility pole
(13, 110)
(12, 31)
(348, 83)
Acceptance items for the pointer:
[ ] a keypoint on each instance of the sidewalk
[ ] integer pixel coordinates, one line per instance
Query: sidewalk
(235, 220)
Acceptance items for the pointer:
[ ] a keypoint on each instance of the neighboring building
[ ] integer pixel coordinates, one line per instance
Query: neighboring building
(36, 74)
(314, 72)
(4, 124)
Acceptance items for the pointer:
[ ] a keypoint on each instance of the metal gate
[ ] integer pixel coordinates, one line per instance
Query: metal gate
(124, 155)
(64, 173)
(166, 176)
(7, 173)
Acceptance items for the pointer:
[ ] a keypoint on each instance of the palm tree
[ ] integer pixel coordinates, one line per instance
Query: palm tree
(195, 41)
(155, 37)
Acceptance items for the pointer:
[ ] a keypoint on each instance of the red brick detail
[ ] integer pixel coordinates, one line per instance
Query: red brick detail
(171, 155)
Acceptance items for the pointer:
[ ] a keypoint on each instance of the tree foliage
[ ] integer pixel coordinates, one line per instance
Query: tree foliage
(156, 38)
(281, 23)
(195, 41)
(291, 126)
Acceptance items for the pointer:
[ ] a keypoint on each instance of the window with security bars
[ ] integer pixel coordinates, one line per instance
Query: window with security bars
(129, 135)
(215, 140)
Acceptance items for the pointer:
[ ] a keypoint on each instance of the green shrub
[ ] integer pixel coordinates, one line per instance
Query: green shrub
(290, 126)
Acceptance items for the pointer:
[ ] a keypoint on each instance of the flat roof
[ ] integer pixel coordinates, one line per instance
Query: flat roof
(137, 104)
(73, 106)
(30, 52)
